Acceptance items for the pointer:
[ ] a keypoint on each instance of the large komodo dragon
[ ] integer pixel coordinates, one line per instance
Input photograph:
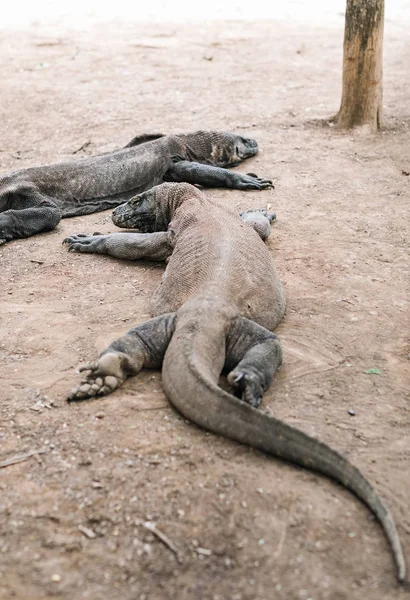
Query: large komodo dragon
(36, 199)
(218, 302)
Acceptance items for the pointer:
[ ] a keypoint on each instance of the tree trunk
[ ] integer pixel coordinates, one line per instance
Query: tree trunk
(362, 93)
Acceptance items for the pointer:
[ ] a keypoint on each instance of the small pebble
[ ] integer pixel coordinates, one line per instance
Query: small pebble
(89, 533)
(204, 551)
(56, 578)
(97, 485)
(351, 412)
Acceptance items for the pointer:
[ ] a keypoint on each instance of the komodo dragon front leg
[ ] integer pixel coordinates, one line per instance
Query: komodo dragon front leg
(126, 246)
(260, 220)
(210, 176)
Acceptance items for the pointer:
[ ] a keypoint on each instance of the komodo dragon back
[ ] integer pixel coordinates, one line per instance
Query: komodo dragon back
(143, 139)
(218, 302)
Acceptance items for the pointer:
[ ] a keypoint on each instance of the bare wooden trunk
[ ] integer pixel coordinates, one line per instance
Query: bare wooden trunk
(362, 65)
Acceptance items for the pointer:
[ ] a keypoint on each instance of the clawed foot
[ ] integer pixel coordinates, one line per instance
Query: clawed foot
(246, 386)
(253, 182)
(271, 216)
(260, 220)
(105, 376)
(83, 242)
(91, 386)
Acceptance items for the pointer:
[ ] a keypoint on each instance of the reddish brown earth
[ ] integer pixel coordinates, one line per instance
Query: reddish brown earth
(245, 526)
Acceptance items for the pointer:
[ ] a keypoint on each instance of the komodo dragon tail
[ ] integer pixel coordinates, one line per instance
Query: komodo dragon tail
(190, 382)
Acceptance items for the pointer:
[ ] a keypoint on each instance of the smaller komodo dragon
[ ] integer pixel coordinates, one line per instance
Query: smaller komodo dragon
(36, 199)
(219, 301)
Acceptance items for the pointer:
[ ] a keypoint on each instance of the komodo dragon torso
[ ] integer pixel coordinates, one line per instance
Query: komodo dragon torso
(35, 199)
(218, 302)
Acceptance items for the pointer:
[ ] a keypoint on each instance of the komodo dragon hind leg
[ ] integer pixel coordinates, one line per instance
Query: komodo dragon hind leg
(253, 354)
(142, 346)
(210, 176)
(30, 213)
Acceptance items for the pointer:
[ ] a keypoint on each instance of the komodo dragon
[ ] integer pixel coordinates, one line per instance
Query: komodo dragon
(218, 302)
(35, 199)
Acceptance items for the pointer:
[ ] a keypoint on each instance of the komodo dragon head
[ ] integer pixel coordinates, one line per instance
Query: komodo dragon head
(221, 149)
(154, 209)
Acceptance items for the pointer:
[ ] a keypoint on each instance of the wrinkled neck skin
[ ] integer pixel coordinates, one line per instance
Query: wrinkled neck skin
(168, 198)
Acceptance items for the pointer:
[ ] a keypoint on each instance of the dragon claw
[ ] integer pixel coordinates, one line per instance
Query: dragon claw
(247, 387)
(104, 376)
(94, 386)
(253, 182)
(82, 242)
(88, 367)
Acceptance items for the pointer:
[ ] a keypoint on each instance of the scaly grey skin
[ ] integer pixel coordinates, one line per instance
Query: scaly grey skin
(219, 300)
(36, 199)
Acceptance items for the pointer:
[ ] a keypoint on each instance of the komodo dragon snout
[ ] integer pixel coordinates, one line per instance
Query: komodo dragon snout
(242, 148)
(223, 149)
(141, 212)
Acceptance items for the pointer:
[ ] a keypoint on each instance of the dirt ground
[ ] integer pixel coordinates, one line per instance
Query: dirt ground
(238, 525)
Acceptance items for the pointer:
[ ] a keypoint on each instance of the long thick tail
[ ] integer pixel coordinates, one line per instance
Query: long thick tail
(190, 382)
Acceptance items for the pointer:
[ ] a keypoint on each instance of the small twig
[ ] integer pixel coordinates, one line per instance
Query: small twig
(345, 300)
(146, 46)
(150, 526)
(18, 458)
(83, 147)
(89, 533)
(282, 538)
(52, 518)
(314, 371)
(152, 408)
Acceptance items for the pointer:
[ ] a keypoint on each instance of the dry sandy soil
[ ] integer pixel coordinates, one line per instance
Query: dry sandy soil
(241, 526)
